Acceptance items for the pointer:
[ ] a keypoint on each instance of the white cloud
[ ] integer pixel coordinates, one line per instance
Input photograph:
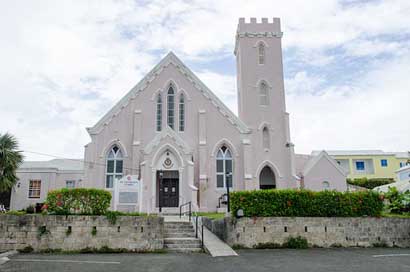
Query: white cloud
(63, 64)
(371, 115)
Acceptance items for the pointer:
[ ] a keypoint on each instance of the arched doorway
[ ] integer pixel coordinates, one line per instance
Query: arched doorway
(267, 179)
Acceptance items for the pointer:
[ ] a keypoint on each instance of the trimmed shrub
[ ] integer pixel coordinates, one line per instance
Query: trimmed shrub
(289, 202)
(369, 183)
(298, 242)
(78, 201)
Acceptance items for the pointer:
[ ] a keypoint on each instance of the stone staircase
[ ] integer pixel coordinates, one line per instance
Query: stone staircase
(180, 237)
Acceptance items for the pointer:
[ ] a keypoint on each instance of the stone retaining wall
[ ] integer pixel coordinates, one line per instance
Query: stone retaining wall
(72, 233)
(319, 231)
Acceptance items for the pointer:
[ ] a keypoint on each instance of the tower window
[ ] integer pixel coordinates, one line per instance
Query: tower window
(261, 53)
(263, 94)
(159, 112)
(266, 138)
(181, 113)
(171, 107)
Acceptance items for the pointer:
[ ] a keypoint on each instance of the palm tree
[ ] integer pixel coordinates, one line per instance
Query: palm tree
(10, 160)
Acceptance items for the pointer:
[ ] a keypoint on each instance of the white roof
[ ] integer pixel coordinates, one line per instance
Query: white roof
(314, 160)
(403, 169)
(403, 155)
(401, 186)
(59, 164)
(354, 152)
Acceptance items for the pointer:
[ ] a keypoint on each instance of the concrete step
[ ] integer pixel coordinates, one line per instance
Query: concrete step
(179, 228)
(184, 250)
(179, 234)
(174, 246)
(182, 241)
(182, 223)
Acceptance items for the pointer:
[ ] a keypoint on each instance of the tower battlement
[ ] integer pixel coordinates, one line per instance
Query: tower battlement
(264, 25)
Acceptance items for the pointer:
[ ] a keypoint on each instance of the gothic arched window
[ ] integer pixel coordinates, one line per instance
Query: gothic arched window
(159, 112)
(171, 107)
(223, 168)
(263, 94)
(265, 138)
(181, 113)
(114, 166)
(261, 53)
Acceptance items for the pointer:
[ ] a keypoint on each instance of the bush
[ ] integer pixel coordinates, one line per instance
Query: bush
(78, 201)
(370, 183)
(399, 203)
(30, 209)
(296, 242)
(306, 203)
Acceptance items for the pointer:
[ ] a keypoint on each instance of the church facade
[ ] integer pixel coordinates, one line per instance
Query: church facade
(184, 144)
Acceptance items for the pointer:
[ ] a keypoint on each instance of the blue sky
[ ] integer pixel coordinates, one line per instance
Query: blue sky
(65, 63)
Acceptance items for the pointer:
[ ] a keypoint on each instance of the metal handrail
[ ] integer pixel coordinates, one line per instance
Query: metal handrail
(189, 204)
(197, 217)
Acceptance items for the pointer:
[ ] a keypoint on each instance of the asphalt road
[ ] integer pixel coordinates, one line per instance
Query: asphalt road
(377, 259)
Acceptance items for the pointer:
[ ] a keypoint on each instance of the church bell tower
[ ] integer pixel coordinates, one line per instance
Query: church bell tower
(261, 97)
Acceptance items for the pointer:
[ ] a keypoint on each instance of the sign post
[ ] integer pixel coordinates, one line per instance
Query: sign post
(127, 194)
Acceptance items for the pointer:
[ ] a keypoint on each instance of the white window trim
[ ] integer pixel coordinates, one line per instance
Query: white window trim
(158, 113)
(114, 173)
(364, 165)
(224, 159)
(39, 190)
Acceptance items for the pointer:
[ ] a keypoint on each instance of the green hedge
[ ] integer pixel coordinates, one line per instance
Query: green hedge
(78, 201)
(369, 183)
(306, 203)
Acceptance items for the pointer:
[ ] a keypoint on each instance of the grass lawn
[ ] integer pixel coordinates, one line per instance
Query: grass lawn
(393, 215)
(212, 215)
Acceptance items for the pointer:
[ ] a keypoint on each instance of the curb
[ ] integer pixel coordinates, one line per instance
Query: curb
(8, 253)
(4, 256)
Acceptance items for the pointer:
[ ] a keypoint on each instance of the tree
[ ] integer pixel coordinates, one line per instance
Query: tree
(10, 160)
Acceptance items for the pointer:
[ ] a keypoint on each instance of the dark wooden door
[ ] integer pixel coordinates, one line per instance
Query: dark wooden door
(169, 192)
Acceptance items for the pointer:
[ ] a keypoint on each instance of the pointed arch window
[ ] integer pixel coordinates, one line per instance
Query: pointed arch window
(181, 113)
(266, 138)
(171, 107)
(114, 169)
(263, 94)
(159, 113)
(261, 53)
(223, 168)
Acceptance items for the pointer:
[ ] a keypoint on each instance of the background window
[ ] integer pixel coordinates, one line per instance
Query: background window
(70, 184)
(383, 163)
(114, 166)
(34, 189)
(360, 165)
(325, 185)
(223, 168)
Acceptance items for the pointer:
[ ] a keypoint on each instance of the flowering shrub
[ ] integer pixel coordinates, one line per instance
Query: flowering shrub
(306, 203)
(78, 201)
(398, 202)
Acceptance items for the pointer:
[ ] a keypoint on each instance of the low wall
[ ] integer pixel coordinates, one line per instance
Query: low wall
(72, 233)
(319, 231)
